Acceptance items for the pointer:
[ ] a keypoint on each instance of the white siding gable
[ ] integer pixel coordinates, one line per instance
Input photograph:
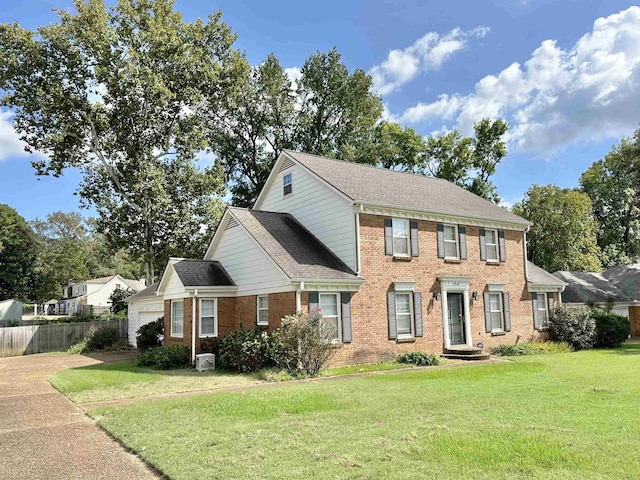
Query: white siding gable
(100, 296)
(322, 210)
(173, 287)
(247, 263)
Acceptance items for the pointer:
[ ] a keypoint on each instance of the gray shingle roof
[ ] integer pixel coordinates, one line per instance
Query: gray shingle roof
(583, 287)
(367, 184)
(148, 292)
(202, 273)
(626, 278)
(291, 246)
(540, 276)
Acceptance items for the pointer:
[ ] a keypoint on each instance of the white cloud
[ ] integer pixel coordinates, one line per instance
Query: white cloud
(294, 74)
(586, 93)
(10, 145)
(428, 53)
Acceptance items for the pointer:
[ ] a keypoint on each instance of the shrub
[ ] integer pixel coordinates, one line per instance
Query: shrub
(78, 348)
(611, 329)
(101, 338)
(419, 358)
(530, 348)
(247, 350)
(117, 300)
(150, 335)
(306, 341)
(575, 326)
(167, 357)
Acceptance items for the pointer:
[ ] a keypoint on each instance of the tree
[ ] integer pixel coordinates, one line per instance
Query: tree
(253, 127)
(117, 300)
(337, 109)
(468, 161)
(563, 236)
(120, 93)
(18, 251)
(613, 185)
(393, 147)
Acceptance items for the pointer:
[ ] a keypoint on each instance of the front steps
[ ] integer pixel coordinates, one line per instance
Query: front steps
(465, 352)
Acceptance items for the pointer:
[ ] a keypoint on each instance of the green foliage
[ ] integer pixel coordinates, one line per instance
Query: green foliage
(563, 235)
(420, 359)
(18, 252)
(613, 185)
(167, 357)
(611, 329)
(574, 326)
(393, 147)
(248, 350)
(274, 375)
(119, 93)
(306, 340)
(530, 348)
(101, 338)
(117, 300)
(150, 335)
(468, 161)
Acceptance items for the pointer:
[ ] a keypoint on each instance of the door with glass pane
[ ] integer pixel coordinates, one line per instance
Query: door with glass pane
(456, 319)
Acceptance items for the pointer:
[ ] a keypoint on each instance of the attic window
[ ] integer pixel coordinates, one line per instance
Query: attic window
(287, 184)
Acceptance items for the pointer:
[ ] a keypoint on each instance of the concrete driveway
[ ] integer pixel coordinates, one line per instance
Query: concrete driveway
(43, 435)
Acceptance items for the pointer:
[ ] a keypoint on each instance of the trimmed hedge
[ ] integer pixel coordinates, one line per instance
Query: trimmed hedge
(611, 329)
(167, 357)
(419, 358)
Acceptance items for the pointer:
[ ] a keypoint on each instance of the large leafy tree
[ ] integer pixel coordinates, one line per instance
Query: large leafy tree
(613, 185)
(252, 128)
(18, 252)
(468, 161)
(563, 235)
(120, 93)
(394, 147)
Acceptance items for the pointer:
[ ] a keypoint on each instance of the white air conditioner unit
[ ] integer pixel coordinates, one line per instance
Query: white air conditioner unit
(205, 361)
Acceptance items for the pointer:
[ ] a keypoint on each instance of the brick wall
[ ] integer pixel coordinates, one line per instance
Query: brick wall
(369, 305)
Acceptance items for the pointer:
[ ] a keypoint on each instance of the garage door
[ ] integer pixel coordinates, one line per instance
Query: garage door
(143, 319)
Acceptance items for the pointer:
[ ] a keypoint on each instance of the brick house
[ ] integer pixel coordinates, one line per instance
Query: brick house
(396, 261)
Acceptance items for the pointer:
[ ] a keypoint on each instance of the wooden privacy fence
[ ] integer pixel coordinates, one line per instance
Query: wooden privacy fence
(16, 341)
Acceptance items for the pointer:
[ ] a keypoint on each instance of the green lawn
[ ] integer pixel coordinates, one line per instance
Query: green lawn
(122, 380)
(563, 416)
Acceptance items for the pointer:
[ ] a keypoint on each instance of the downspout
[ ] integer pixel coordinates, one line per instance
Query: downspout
(298, 297)
(524, 246)
(193, 326)
(358, 240)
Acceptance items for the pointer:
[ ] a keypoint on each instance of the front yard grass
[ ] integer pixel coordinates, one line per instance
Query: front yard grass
(562, 416)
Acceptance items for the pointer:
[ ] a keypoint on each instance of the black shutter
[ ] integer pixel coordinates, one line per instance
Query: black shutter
(503, 251)
(536, 319)
(417, 313)
(487, 312)
(440, 230)
(507, 311)
(462, 233)
(483, 245)
(414, 239)
(391, 314)
(388, 236)
(314, 301)
(345, 298)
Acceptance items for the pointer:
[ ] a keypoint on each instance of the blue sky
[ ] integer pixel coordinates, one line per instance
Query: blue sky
(565, 74)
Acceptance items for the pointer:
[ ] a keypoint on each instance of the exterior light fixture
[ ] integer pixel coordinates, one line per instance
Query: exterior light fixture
(436, 296)
(474, 295)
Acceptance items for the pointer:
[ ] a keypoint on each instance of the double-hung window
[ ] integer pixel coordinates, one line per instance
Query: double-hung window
(542, 312)
(404, 314)
(330, 307)
(287, 184)
(208, 320)
(451, 247)
(177, 318)
(491, 241)
(497, 318)
(263, 310)
(400, 237)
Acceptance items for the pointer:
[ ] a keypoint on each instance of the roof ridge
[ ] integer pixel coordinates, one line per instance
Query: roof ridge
(418, 175)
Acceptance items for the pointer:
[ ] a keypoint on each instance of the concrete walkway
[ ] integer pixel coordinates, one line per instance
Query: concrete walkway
(43, 435)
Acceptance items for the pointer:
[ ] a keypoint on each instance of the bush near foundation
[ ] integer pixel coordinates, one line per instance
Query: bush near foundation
(575, 326)
(611, 329)
(167, 357)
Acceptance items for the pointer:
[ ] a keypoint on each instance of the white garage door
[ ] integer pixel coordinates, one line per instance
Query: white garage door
(142, 319)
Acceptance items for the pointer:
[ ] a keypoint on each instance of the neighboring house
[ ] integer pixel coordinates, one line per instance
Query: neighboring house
(94, 292)
(617, 286)
(10, 310)
(144, 307)
(396, 261)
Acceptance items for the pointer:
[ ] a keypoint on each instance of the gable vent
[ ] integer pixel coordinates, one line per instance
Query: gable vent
(231, 223)
(287, 163)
